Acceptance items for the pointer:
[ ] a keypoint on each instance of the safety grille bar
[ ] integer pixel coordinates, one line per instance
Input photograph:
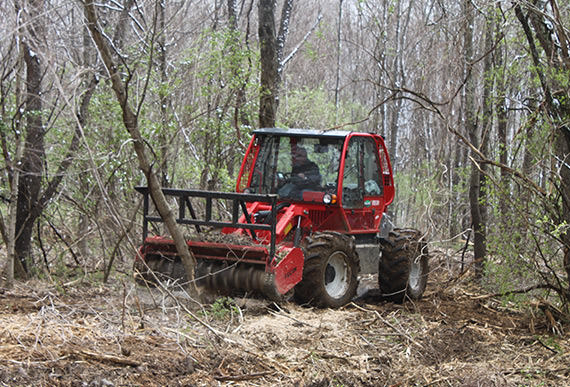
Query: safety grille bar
(238, 201)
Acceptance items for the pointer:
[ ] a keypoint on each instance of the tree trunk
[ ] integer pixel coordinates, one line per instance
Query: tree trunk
(338, 55)
(268, 53)
(9, 234)
(477, 216)
(8, 227)
(163, 95)
(563, 152)
(501, 108)
(282, 37)
(34, 152)
(130, 120)
(240, 117)
(398, 81)
(486, 128)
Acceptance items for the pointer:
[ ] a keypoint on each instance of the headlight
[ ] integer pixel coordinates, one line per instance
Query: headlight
(329, 199)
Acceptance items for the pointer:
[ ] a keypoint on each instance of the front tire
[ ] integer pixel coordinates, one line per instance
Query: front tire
(403, 266)
(330, 273)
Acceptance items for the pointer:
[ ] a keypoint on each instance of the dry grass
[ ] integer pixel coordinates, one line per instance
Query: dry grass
(120, 334)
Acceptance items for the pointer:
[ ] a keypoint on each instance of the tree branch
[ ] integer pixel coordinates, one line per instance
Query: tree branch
(301, 43)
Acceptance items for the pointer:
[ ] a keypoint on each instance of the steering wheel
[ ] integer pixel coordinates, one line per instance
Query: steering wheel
(283, 178)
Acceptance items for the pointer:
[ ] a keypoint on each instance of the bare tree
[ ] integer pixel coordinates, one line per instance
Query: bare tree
(130, 120)
(27, 168)
(271, 52)
(282, 37)
(34, 151)
(338, 57)
(268, 53)
(475, 133)
(548, 29)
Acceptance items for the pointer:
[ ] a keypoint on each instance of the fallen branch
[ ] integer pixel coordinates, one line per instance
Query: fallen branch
(242, 377)
(509, 292)
(282, 314)
(105, 358)
(546, 346)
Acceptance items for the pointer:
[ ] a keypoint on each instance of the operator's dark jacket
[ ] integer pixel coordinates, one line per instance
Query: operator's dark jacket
(311, 172)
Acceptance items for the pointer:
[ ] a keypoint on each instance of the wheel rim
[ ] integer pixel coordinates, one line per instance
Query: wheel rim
(415, 274)
(337, 274)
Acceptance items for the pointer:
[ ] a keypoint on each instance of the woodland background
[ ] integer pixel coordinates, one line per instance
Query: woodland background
(471, 96)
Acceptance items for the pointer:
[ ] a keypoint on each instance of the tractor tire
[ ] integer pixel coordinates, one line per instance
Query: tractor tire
(330, 271)
(403, 265)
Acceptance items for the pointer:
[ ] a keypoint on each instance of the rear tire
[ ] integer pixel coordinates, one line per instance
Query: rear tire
(403, 265)
(330, 271)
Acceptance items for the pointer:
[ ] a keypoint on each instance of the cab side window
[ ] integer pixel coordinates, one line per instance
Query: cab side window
(361, 175)
(372, 183)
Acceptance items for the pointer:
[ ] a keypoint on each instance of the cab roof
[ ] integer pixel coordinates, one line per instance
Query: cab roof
(302, 132)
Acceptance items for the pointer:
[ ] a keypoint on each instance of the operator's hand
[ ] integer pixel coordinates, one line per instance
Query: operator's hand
(298, 179)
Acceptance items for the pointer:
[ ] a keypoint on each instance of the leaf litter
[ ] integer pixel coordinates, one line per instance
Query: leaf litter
(120, 334)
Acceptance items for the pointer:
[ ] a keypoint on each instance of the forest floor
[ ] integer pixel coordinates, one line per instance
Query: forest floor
(120, 334)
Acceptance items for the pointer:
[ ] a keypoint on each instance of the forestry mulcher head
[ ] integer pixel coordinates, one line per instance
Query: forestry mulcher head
(307, 218)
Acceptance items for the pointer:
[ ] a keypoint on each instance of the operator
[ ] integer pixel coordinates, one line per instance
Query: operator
(305, 175)
(306, 171)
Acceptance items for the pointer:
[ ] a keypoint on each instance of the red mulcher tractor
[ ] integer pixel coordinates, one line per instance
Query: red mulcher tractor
(308, 217)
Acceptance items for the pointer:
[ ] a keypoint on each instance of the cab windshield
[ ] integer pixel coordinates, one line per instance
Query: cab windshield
(289, 166)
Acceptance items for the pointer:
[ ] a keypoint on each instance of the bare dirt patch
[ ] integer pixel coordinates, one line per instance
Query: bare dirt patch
(124, 335)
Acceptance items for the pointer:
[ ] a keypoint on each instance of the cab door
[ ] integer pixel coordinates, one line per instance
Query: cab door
(362, 194)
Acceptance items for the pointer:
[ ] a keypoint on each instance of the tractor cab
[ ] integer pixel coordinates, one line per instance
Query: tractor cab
(341, 180)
